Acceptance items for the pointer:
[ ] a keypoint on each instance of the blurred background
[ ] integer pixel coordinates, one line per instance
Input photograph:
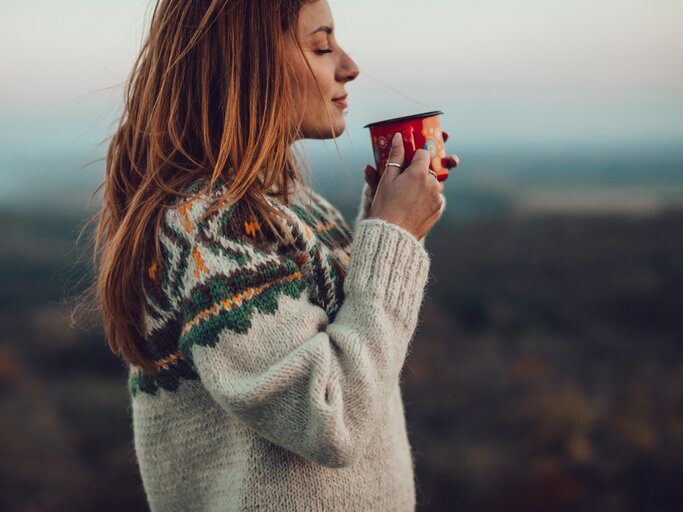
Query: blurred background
(547, 370)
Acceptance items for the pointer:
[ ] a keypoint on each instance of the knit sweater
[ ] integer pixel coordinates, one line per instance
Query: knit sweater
(279, 364)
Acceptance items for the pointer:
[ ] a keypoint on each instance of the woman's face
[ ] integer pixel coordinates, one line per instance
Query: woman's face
(332, 68)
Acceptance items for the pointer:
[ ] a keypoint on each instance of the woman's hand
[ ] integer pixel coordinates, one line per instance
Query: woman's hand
(410, 199)
(372, 176)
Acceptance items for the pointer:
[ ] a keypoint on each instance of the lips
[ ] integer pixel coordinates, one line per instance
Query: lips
(341, 101)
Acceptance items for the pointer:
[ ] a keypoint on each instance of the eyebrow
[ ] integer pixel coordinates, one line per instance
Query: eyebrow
(324, 28)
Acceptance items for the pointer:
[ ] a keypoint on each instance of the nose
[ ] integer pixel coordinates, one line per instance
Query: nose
(348, 70)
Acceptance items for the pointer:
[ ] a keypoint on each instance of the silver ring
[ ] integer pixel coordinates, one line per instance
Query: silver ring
(433, 174)
(392, 164)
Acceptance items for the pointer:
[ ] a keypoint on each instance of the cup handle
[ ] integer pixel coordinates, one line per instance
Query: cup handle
(408, 143)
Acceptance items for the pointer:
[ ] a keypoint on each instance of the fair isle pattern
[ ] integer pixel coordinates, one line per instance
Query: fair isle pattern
(331, 229)
(330, 256)
(206, 318)
(248, 280)
(234, 302)
(168, 361)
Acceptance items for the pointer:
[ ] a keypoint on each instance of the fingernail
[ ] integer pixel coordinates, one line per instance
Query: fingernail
(397, 139)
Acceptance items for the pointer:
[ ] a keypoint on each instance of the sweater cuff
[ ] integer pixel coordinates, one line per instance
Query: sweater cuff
(388, 262)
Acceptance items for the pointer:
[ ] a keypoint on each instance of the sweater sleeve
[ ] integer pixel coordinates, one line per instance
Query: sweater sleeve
(272, 358)
(366, 205)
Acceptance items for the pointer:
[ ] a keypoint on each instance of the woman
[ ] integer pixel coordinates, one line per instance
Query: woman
(264, 348)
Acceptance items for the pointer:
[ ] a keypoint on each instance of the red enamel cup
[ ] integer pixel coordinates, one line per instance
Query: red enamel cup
(418, 131)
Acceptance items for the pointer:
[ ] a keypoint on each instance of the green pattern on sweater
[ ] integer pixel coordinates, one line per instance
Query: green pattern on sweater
(322, 239)
(237, 320)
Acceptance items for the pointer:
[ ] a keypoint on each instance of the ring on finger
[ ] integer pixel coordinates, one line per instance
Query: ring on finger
(433, 174)
(392, 164)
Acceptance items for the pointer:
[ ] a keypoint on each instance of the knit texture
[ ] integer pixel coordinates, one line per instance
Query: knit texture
(279, 364)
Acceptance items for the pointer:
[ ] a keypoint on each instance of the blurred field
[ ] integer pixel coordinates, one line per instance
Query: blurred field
(546, 373)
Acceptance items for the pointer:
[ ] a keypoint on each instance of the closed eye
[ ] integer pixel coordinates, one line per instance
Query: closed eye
(322, 52)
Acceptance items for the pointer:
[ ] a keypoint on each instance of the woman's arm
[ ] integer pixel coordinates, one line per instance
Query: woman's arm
(272, 358)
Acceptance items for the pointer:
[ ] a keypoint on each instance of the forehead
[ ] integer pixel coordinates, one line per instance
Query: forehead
(313, 15)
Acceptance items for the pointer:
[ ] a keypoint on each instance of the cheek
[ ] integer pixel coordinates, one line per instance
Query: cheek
(324, 74)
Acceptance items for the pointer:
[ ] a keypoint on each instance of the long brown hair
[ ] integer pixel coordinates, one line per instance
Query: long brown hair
(210, 98)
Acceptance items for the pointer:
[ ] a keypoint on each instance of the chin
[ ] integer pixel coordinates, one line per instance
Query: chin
(324, 132)
(339, 129)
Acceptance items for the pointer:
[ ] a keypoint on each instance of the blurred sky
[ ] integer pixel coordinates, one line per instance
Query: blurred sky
(529, 75)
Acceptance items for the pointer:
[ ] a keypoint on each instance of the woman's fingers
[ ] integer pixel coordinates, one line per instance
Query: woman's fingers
(396, 156)
(450, 161)
(371, 177)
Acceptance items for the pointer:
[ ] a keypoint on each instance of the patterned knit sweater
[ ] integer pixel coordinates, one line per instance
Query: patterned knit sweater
(280, 364)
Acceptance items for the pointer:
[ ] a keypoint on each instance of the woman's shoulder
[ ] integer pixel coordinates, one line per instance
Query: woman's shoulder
(234, 236)
(326, 219)
(190, 214)
(240, 223)
(227, 243)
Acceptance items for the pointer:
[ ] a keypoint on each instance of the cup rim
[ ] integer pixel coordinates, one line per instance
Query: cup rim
(404, 118)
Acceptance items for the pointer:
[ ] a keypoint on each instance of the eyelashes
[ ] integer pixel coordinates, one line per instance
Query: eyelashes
(322, 52)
